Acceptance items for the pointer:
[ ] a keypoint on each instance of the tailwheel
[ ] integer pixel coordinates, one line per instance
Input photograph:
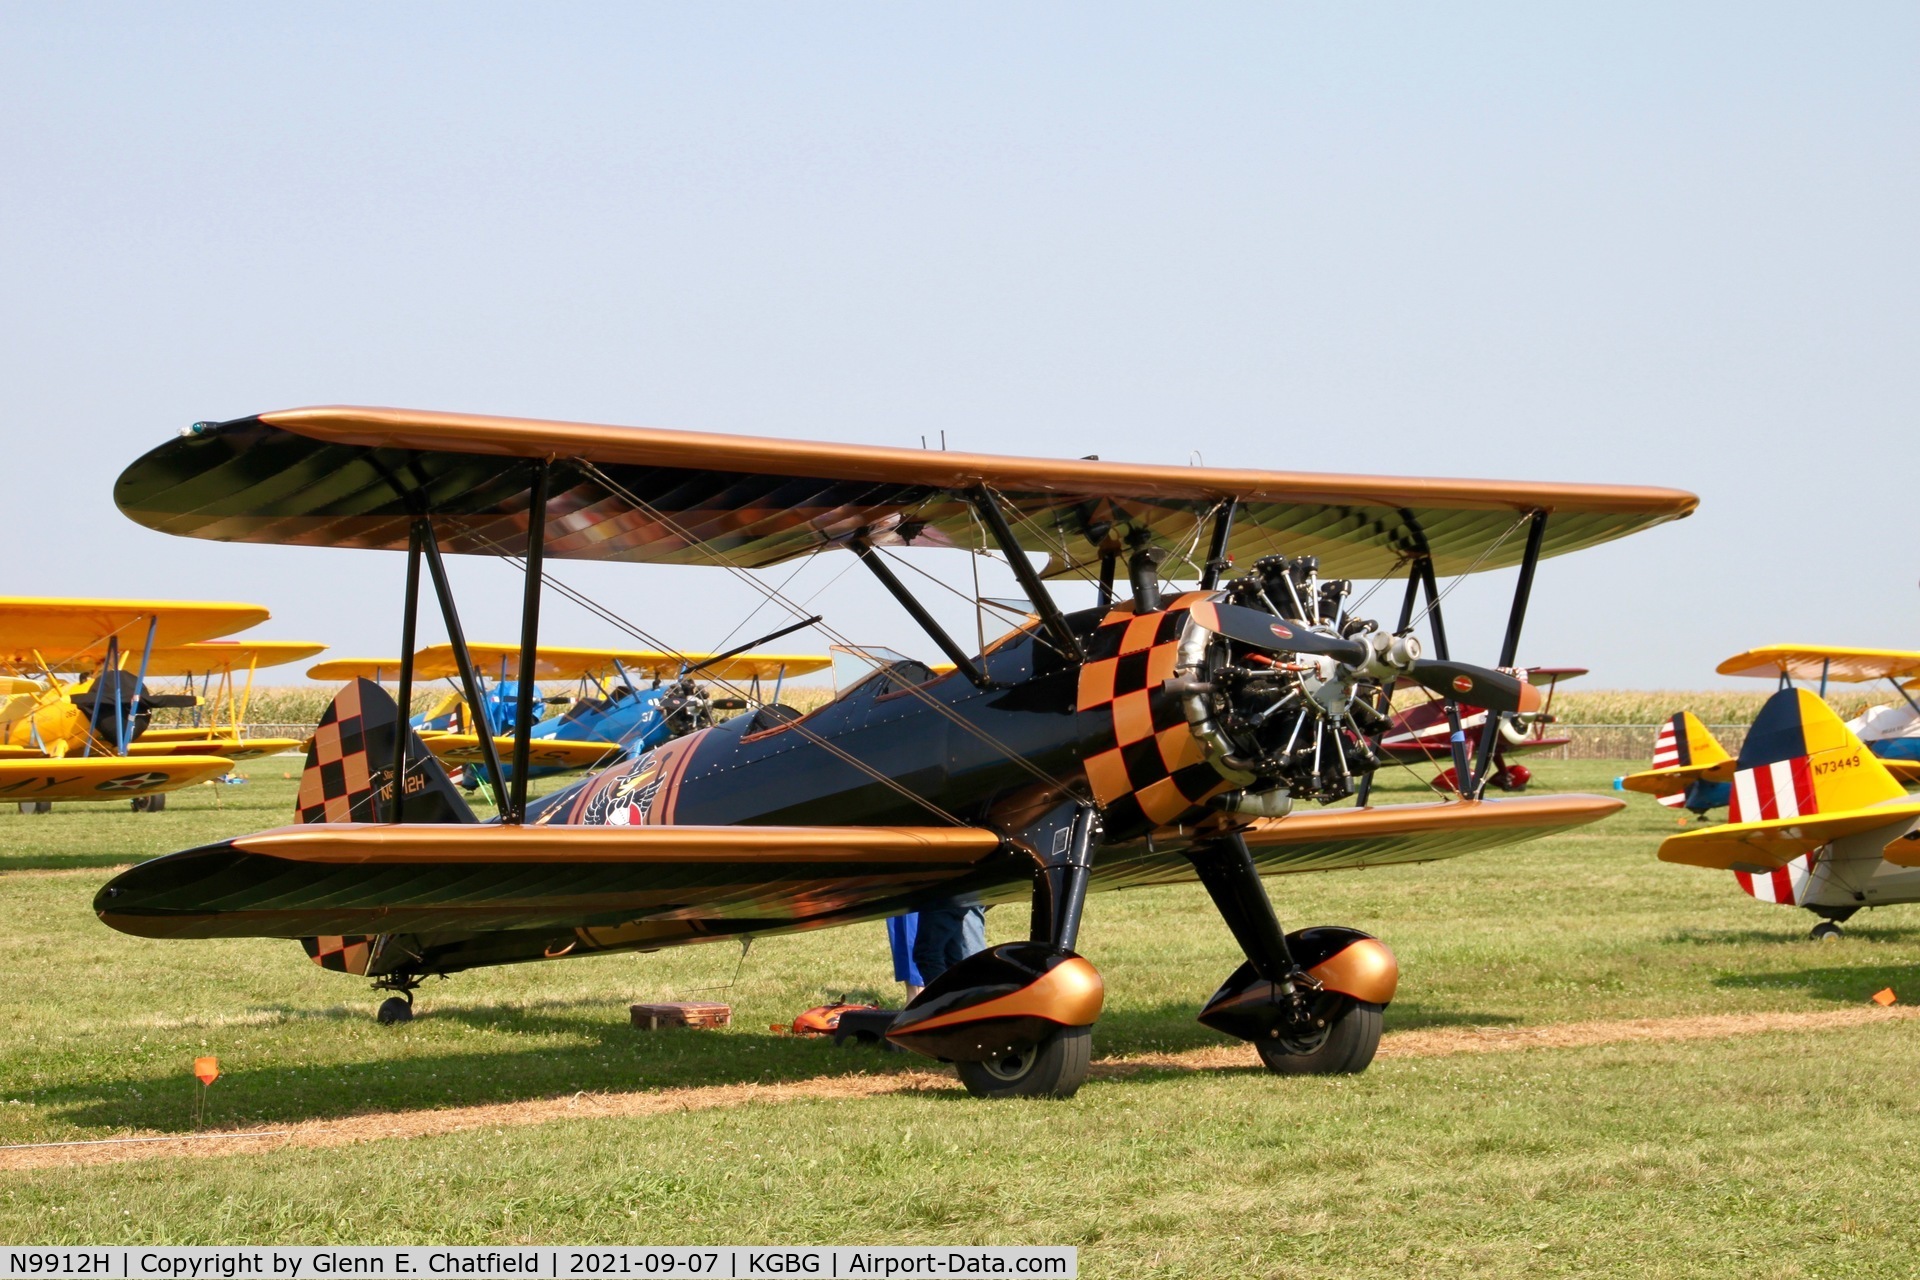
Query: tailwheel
(395, 1010)
(1826, 931)
(1056, 1067)
(1342, 1041)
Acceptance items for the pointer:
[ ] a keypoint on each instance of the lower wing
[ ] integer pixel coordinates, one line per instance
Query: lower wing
(103, 777)
(1769, 845)
(366, 878)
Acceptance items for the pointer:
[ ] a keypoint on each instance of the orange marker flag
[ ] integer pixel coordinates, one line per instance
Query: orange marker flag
(207, 1070)
(1884, 996)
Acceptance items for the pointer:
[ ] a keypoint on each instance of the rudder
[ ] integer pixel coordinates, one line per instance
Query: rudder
(1799, 759)
(349, 771)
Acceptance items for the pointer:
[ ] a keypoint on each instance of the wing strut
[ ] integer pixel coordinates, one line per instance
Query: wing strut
(457, 638)
(988, 506)
(1509, 647)
(1218, 561)
(409, 617)
(516, 809)
(961, 661)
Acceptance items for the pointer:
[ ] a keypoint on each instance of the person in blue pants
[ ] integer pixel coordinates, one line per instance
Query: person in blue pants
(901, 932)
(949, 932)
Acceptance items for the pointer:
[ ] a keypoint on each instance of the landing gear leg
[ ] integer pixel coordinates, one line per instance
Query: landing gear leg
(1310, 1001)
(1016, 1020)
(1828, 930)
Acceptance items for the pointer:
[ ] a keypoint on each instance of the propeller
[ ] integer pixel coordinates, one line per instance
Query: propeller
(1463, 681)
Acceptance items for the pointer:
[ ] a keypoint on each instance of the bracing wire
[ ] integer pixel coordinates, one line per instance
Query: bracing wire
(639, 633)
(774, 595)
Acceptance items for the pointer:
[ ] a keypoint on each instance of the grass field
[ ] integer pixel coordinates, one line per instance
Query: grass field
(1788, 1153)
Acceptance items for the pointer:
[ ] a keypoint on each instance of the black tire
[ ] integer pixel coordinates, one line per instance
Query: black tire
(394, 1010)
(1055, 1068)
(1344, 1047)
(36, 806)
(1826, 931)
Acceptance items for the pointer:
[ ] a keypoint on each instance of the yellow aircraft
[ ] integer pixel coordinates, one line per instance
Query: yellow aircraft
(73, 739)
(1691, 768)
(1890, 730)
(221, 661)
(1816, 821)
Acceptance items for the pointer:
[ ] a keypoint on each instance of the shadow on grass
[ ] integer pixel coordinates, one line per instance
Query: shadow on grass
(1794, 935)
(420, 1066)
(1840, 985)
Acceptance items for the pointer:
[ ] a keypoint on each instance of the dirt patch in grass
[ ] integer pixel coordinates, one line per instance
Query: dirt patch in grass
(1436, 1042)
(1441, 1042)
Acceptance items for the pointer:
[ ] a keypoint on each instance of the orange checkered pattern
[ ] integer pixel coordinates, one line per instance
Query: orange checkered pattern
(337, 786)
(1145, 767)
(350, 954)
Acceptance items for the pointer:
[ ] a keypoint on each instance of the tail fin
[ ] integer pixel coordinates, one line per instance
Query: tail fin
(1683, 742)
(1800, 760)
(349, 773)
(349, 778)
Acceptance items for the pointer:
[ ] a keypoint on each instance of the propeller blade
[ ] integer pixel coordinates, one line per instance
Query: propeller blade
(1480, 686)
(1264, 631)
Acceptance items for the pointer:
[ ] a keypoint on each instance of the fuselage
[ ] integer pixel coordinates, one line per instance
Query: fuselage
(904, 746)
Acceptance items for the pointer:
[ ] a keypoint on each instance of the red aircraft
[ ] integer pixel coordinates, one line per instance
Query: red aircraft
(1422, 734)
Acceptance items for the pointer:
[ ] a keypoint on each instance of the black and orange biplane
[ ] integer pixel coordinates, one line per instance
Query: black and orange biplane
(1160, 736)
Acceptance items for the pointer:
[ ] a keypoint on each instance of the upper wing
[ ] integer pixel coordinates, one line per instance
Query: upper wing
(1816, 662)
(222, 655)
(354, 477)
(329, 879)
(72, 634)
(355, 669)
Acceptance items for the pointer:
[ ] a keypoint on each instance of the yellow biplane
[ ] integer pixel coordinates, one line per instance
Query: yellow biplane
(217, 666)
(1890, 730)
(77, 739)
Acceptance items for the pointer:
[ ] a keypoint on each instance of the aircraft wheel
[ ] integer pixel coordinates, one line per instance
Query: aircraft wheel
(36, 806)
(1343, 1047)
(1825, 931)
(394, 1010)
(1055, 1068)
(150, 804)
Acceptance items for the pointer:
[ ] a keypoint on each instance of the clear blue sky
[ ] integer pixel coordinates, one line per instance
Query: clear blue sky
(1661, 244)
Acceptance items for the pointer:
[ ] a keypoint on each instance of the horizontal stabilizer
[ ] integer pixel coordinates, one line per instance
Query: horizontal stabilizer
(1674, 781)
(1772, 843)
